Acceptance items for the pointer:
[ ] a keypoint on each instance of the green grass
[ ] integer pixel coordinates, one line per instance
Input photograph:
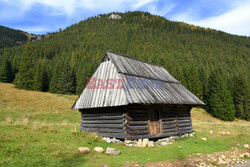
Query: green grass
(50, 137)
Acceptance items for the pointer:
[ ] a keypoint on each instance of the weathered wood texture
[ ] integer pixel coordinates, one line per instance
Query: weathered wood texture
(176, 120)
(136, 123)
(142, 83)
(153, 122)
(105, 123)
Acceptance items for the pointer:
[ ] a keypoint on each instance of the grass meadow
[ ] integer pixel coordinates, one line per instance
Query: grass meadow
(41, 129)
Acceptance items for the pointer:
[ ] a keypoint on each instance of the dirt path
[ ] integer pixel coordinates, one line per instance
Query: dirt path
(234, 157)
(247, 164)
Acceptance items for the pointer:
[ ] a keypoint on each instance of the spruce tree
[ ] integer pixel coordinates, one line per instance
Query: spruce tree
(220, 101)
(204, 83)
(5, 71)
(25, 76)
(240, 93)
(193, 81)
(41, 77)
(54, 83)
(67, 82)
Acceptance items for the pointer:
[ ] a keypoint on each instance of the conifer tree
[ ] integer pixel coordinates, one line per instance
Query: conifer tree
(25, 76)
(240, 93)
(193, 81)
(220, 101)
(41, 77)
(67, 80)
(5, 71)
(54, 83)
(204, 83)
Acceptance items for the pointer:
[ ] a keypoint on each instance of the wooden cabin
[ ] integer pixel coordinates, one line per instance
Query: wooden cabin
(132, 99)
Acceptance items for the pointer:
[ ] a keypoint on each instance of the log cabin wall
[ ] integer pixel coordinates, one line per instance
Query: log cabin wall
(138, 122)
(157, 122)
(176, 120)
(105, 123)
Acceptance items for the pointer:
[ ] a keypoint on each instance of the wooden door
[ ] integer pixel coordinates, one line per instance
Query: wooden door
(153, 124)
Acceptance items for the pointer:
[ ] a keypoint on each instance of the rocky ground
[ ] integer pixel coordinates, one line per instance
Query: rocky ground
(235, 157)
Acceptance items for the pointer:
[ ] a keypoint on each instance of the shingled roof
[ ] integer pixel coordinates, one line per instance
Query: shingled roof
(143, 83)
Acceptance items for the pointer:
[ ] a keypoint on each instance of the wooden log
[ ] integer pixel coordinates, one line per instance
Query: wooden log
(184, 121)
(137, 119)
(103, 121)
(185, 132)
(185, 128)
(169, 126)
(115, 135)
(113, 126)
(183, 115)
(182, 118)
(169, 130)
(102, 114)
(138, 132)
(169, 134)
(184, 125)
(103, 117)
(136, 137)
(168, 118)
(134, 128)
(168, 115)
(137, 122)
(104, 130)
(168, 122)
(138, 114)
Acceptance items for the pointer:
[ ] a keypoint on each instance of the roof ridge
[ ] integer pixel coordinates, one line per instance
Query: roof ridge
(123, 55)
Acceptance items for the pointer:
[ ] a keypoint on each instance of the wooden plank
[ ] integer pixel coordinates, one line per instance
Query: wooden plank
(184, 125)
(153, 124)
(137, 122)
(169, 130)
(185, 128)
(136, 137)
(115, 135)
(138, 119)
(138, 132)
(113, 126)
(182, 118)
(103, 117)
(103, 121)
(168, 115)
(137, 127)
(169, 126)
(168, 118)
(169, 134)
(105, 130)
(185, 132)
(102, 114)
(168, 122)
(184, 121)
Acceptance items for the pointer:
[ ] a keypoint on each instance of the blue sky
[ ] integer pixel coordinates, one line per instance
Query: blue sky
(41, 16)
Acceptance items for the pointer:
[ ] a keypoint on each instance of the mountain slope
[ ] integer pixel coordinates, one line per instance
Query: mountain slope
(11, 37)
(188, 52)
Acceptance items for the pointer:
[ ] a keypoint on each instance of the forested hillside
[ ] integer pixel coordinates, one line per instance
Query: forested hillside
(213, 65)
(10, 37)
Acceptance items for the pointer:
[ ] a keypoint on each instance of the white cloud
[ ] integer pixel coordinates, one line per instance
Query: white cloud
(70, 7)
(235, 21)
(33, 29)
(141, 3)
(153, 9)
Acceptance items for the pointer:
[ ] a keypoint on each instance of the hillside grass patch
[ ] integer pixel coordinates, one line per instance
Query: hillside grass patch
(40, 129)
